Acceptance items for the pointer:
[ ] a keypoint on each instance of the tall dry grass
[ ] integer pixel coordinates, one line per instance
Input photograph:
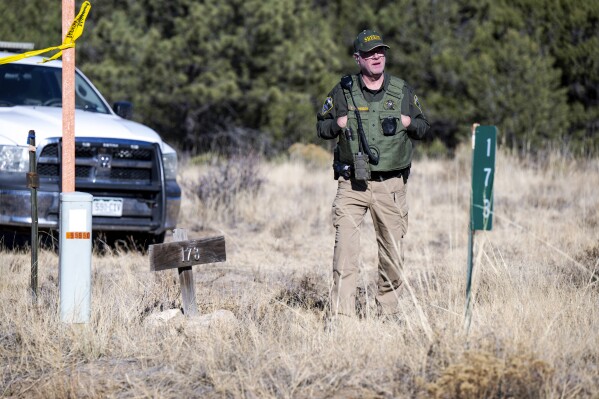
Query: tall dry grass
(535, 317)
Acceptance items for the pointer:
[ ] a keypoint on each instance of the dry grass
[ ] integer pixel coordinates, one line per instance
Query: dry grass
(534, 330)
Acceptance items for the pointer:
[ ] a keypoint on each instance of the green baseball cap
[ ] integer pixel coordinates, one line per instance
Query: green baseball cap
(367, 40)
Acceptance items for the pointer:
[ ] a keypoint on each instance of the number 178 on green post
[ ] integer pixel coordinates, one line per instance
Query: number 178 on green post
(483, 173)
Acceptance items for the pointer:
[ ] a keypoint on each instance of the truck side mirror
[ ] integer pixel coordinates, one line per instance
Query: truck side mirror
(124, 109)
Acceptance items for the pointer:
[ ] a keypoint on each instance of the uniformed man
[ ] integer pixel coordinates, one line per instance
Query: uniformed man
(374, 116)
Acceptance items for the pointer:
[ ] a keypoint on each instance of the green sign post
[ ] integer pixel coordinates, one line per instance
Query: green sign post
(483, 173)
(484, 143)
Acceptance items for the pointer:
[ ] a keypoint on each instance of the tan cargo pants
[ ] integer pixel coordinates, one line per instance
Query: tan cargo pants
(387, 202)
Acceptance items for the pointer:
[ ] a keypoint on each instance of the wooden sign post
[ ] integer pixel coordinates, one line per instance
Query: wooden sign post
(183, 254)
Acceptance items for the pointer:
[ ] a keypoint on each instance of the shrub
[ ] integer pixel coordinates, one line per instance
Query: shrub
(587, 272)
(228, 179)
(310, 154)
(307, 291)
(483, 375)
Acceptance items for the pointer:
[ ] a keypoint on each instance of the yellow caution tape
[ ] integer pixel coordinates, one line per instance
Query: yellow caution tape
(73, 34)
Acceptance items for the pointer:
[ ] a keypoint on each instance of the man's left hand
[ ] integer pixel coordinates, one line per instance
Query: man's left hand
(406, 120)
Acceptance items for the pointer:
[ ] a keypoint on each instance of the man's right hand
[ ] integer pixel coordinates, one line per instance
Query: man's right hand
(342, 121)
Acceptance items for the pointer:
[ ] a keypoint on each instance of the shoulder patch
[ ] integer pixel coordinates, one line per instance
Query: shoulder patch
(417, 103)
(327, 106)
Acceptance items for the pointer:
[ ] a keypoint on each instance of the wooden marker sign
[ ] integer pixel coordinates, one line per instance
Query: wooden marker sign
(185, 253)
(182, 254)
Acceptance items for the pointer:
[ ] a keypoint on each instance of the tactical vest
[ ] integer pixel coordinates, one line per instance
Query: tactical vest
(394, 151)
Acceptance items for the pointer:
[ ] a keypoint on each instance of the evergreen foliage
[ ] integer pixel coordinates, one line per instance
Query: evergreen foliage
(234, 74)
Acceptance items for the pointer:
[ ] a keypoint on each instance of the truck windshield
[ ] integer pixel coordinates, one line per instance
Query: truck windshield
(37, 85)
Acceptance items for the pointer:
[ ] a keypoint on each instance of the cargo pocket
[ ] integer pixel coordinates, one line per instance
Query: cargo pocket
(400, 198)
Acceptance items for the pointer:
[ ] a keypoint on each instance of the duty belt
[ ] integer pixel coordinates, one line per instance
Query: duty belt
(381, 176)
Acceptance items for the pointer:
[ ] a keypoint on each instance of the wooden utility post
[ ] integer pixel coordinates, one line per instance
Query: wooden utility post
(68, 102)
(183, 254)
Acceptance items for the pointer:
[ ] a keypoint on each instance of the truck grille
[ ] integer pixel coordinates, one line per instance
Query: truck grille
(125, 170)
(107, 162)
(47, 170)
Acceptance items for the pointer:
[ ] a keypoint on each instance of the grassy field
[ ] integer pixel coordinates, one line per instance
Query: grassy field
(534, 331)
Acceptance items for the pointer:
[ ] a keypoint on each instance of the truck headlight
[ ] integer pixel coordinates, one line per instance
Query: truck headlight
(170, 165)
(14, 158)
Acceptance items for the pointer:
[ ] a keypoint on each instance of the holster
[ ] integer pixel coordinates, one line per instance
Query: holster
(340, 168)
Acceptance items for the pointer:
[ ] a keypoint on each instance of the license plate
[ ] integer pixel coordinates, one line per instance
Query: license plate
(107, 207)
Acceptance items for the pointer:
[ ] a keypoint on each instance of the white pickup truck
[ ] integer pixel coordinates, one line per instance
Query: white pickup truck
(125, 165)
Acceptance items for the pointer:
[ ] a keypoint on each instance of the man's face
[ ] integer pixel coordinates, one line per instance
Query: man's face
(372, 63)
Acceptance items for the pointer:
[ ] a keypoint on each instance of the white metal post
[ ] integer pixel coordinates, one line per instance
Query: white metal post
(75, 256)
